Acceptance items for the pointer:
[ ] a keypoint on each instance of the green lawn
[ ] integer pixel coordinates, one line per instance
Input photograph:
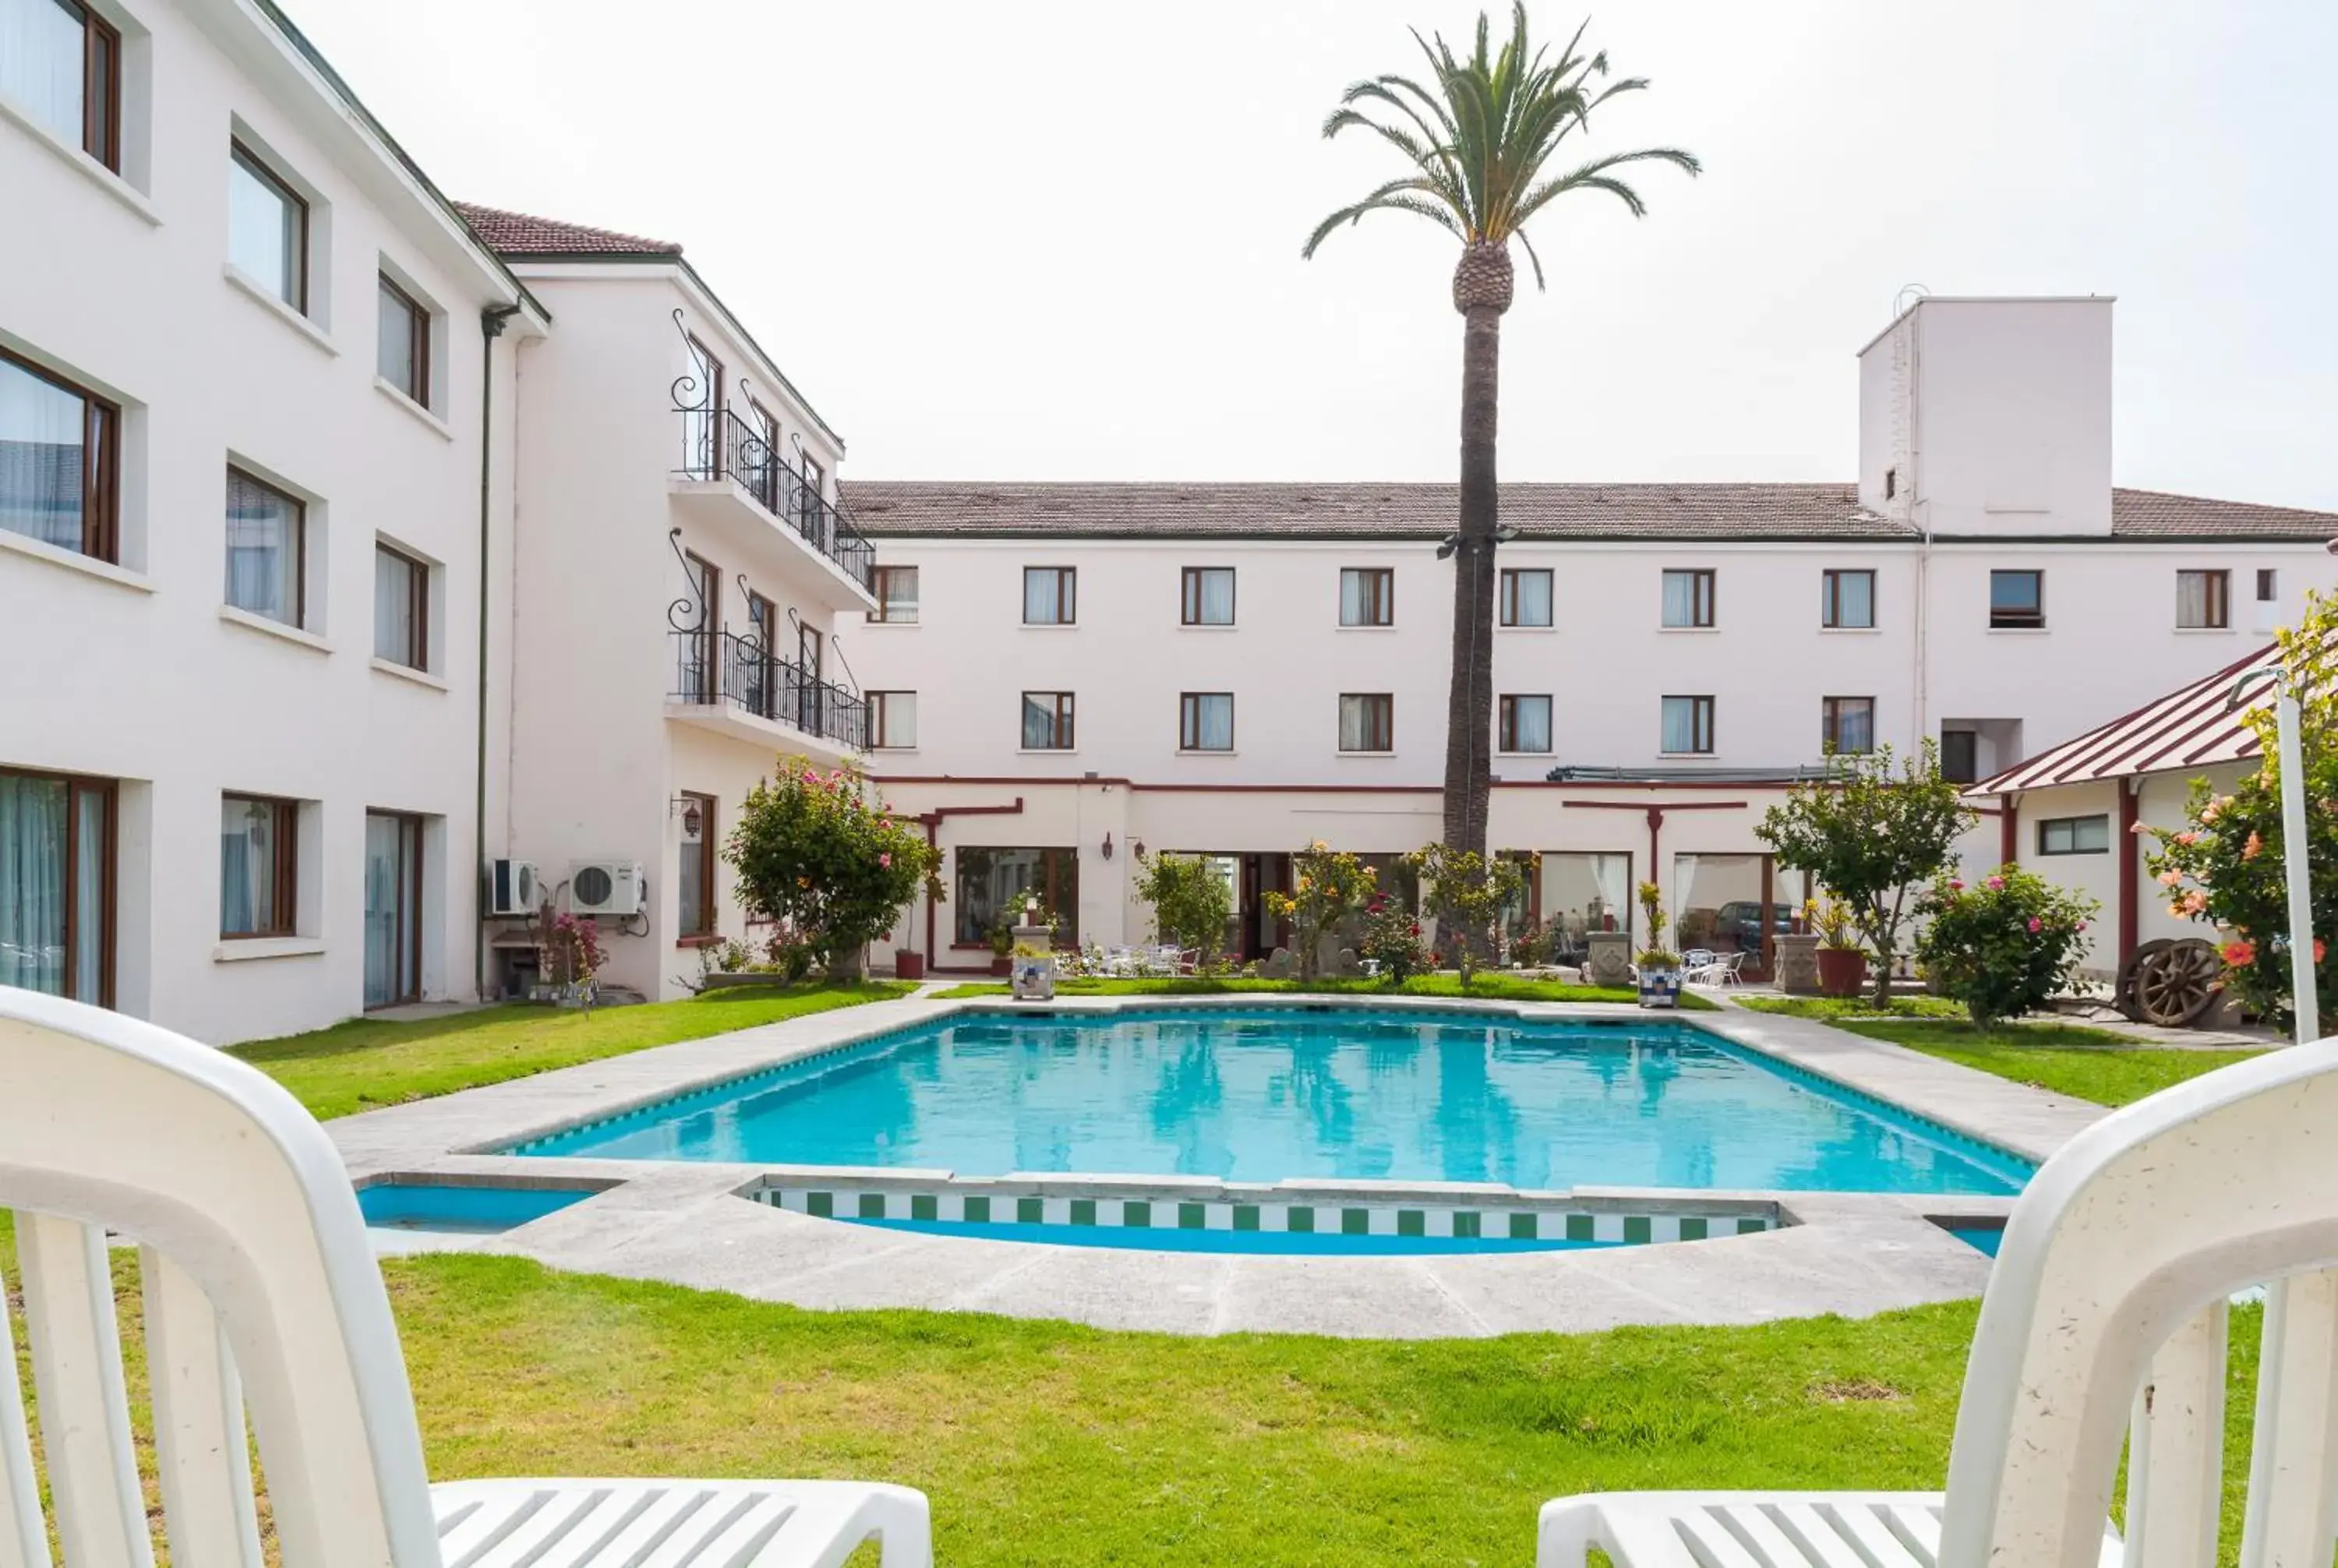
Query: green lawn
(1834, 1009)
(372, 1062)
(1485, 987)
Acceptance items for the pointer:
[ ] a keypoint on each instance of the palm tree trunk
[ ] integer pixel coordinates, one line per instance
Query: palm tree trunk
(1469, 704)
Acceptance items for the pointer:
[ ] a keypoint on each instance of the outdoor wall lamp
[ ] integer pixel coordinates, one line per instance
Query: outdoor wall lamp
(1140, 848)
(1107, 844)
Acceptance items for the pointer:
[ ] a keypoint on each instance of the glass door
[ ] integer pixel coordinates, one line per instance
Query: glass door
(393, 909)
(56, 886)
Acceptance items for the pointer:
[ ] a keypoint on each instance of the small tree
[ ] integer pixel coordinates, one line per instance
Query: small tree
(1327, 886)
(2002, 948)
(1870, 833)
(819, 854)
(1189, 898)
(1393, 940)
(1468, 893)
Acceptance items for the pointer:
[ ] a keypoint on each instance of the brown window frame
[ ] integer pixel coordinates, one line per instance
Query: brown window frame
(879, 706)
(879, 577)
(100, 85)
(1831, 598)
(1062, 726)
(1380, 727)
(2218, 604)
(1189, 596)
(1704, 598)
(2268, 584)
(76, 786)
(1509, 596)
(417, 339)
(419, 608)
(100, 462)
(1380, 598)
(708, 914)
(1068, 595)
(287, 873)
(300, 542)
(1189, 722)
(1831, 724)
(1507, 723)
(260, 168)
(1703, 723)
(707, 640)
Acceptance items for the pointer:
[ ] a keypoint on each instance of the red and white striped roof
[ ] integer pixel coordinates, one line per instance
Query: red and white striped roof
(2190, 727)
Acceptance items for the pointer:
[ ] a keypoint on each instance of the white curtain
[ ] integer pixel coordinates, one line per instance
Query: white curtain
(393, 607)
(1213, 721)
(41, 46)
(1854, 726)
(1356, 725)
(2192, 598)
(1038, 723)
(1042, 604)
(1530, 723)
(1355, 597)
(1215, 589)
(42, 455)
(1854, 599)
(247, 868)
(1680, 599)
(1530, 598)
(263, 555)
(896, 717)
(32, 884)
(1680, 726)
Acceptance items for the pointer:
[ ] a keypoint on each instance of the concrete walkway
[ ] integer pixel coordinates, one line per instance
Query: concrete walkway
(685, 1223)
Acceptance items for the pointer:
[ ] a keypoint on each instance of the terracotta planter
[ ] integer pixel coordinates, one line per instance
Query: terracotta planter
(908, 965)
(1002, 965)
(1842, 971)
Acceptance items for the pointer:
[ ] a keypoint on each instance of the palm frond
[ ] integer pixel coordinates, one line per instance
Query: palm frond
(1354, 213)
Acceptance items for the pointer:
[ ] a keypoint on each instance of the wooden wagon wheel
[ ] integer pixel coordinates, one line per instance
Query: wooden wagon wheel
(2123, 993)
(2177, 983)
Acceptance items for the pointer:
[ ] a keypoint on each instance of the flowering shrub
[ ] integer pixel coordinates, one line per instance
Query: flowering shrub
(1189, 898)
(1393, 940)
(2001, 948)
(819, 854)
(1328, 885)
(1467, 893)
(570, 954)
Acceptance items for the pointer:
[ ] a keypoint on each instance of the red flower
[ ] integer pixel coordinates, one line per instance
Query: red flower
(2240, 955)
(1416, 927)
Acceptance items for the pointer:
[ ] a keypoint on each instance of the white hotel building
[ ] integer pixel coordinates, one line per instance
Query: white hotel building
(358, 549)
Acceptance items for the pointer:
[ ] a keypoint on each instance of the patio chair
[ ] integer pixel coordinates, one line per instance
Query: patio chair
(2105, 1319)
(1725, 970)
(261, 1298)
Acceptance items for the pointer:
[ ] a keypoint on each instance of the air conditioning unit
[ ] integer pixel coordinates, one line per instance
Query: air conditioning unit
(513, 888)
(606, 887)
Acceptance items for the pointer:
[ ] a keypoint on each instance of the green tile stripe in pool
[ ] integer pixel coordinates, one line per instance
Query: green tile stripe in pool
(1268, 1094)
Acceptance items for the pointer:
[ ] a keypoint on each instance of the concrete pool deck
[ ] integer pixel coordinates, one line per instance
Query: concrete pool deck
(687, 1224)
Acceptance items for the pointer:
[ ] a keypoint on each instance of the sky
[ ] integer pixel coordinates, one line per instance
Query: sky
(1055, 240)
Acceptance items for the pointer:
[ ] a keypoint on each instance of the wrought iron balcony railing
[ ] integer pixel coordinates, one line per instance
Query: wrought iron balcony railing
(717, 444)
(724, 668)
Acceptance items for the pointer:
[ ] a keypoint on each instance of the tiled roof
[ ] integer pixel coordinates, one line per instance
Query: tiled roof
(1573, 511)
(518, 234)
(2191, 727)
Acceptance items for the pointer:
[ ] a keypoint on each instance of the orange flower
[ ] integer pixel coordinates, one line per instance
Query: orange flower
(2240, 955)
(2253, 849)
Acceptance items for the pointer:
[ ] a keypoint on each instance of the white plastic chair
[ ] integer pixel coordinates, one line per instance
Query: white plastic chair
(262, 1296)
(2105, 1319)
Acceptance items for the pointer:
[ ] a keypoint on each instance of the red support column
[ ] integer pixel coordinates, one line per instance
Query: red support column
(2130, 854)
(2009, 830)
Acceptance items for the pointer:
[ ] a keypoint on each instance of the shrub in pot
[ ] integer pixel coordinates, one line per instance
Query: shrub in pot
(1660, 978)
(1842, 962)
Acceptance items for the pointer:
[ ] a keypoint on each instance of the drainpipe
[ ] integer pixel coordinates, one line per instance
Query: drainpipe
(491, 327)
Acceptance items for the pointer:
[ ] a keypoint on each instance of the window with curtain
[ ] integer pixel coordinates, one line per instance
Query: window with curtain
(259, 874)
(1367, 721)
(56, 885)
(1583, 893)
(264, 549)
(1205, 721)
(1050, 595)
(62, 63)
(402, 355)
(267, 228)
(393, 908)
(1847, 724)
(1525, 596)
(1525, 723)
(1208, 597)
(1688, 598)
(401, 608)
(897, 595)
(1847, 601)
(892, 720)
(57, 460)
(1046, 721)
(1367, 596)
(2203, 601)
(1687, 725)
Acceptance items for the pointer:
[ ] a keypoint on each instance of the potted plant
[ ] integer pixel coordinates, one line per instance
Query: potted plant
(909, 964)
(1660, 977)
(1002, 945)
(1842, 962)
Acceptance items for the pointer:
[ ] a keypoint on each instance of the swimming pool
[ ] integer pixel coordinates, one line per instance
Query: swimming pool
(1269, 1095)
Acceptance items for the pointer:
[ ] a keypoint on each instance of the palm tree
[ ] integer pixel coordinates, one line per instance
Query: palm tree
(1478, 139)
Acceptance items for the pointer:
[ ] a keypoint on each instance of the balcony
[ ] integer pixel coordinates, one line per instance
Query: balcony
(734, 686)
(729, 466)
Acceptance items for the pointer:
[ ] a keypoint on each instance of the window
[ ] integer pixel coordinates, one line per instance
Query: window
(1960, 756)
(56, 885)
(1688, 598)
(1847, 601)
(1367, 596)
(897, 595)
(267, 229)
(694, 881)
(697, 679)
(393, 908)
(2203, 601)
(2016, 600)
(1891, 482)
(1524, 724)
(1207, 596)
(2075, 834)
(892, 720)
(2268, 584)
(258, 866)
(60, 461)
(60, 61)
(1525, 596)
(403, 355)
(265, 549)
(994, 884)
(812, 498)
(1847, 724)
(1367, 721)
(401, 608)
(1050, 595)
(1046, 721)
(1205, 721)
(701, 423)
(1687, 725)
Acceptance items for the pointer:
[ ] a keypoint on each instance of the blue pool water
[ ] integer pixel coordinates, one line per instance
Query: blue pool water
(471, 1211)
(1265, 1094)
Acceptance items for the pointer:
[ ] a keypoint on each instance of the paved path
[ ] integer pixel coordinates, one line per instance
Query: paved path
(685, 1223)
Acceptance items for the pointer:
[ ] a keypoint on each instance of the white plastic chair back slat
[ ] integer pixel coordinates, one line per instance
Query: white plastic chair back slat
(202, 1452)
(76, 1354)
(23, 1532)
(2176, 1448)
(2293, 1507)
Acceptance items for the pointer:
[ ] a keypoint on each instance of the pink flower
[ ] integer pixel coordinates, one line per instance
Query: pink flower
(2036, 925)
(2170, 878)
(2187, 838)
(2195, 902)
(2253, 849)
(2208, 812)
(886, 860)
(1955, 886)
(1995, 884)
(809, 776)
(2084, 924)
(2140, 829)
